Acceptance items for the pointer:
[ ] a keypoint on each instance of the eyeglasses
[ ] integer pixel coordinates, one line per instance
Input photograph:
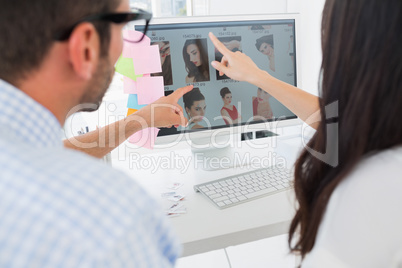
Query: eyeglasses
(143, 17)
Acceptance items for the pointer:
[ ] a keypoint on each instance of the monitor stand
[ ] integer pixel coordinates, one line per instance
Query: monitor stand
(215, 158)
(222, 151)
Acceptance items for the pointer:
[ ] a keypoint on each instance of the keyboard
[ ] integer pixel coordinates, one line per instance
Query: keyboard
(235, 190)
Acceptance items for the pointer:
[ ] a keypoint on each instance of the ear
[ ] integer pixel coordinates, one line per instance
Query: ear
(83, 46)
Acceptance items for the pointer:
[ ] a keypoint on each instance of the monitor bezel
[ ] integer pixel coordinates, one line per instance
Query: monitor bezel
(272, 125)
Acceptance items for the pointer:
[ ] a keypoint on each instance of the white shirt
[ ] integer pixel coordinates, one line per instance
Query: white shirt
(362, 226)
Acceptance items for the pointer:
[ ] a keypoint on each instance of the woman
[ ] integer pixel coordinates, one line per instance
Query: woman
(195, 55)
(229, 111)
(261, 107)
(265, 45)
(194, 104)
(348, 212)
(166, 62)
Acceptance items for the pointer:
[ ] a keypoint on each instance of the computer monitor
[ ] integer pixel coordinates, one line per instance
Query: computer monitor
(219, 105)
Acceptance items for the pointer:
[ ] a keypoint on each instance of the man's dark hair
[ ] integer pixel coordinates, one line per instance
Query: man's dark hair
(27, 29)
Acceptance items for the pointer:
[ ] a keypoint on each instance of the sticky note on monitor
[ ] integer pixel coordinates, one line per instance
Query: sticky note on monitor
(130, 86)
(149, 89)
(129, 48)
(145, 138)
(125, 66)
(146, 59)
(131, 35)
(133, 102)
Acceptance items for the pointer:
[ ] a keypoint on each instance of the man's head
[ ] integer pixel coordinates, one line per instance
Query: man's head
(27, 30)
(61, 73)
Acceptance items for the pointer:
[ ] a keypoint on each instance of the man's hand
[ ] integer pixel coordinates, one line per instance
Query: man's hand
(165, 112)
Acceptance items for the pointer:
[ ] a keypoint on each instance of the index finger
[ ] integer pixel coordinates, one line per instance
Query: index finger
(218, 44)
(178, 93)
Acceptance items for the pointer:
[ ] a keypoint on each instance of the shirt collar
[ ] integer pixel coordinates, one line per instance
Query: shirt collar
(22, 119)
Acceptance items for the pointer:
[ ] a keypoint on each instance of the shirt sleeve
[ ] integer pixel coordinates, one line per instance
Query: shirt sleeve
(148, 243)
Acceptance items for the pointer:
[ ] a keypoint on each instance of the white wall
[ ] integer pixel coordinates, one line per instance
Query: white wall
(229, 7)
(309, 38)
(310, 41)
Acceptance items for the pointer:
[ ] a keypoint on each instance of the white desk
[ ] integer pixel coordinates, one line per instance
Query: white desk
(205, 227)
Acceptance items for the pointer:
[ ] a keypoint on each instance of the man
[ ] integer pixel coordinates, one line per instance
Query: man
(58, 207)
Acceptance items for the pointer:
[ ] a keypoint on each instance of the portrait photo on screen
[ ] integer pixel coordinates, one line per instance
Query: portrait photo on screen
(229, 111)
(195, 107)
(195, 56)
(265, 45)
(261, 107)
(232, 43)
(166, 62)
(256, 27)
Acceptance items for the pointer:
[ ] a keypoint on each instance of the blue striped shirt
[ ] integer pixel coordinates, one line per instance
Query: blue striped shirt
(62, 208)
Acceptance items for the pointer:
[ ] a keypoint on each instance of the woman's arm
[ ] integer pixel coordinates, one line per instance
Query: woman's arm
(240, 67)
(164, 112)
(226, 117)
(102, 141)
(237, 120)
(272, 62)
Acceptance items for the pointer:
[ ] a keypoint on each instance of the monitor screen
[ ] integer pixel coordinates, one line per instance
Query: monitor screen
(218, 101)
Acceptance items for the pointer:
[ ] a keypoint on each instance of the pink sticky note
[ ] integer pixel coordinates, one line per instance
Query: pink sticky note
(130, 35)
(129, 49)
(130, 86)
(146, 59)
(145, 138)
(149, 89)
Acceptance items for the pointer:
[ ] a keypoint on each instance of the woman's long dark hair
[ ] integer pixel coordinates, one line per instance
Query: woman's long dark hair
(200, 73)
(361, 75)
(167, 71)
